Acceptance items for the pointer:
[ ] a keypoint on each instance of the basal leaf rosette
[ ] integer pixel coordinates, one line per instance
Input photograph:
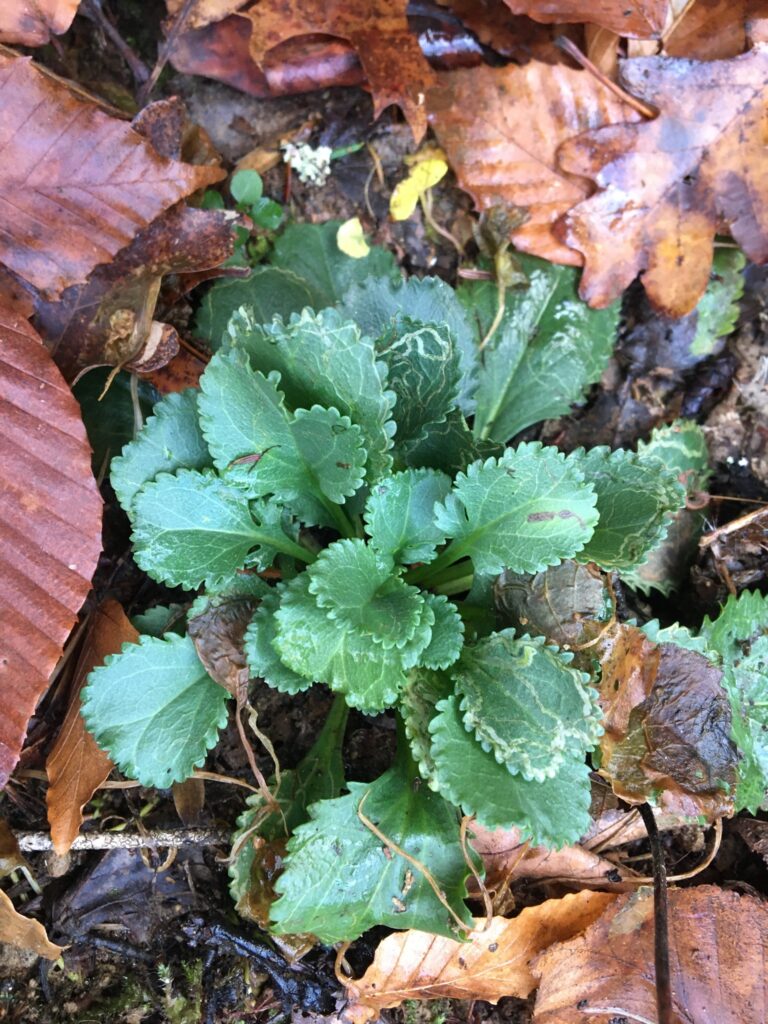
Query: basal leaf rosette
(526, 703)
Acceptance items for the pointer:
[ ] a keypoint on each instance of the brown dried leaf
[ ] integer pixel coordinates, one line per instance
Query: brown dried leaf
(517, 38)
(718, 948)
(50, 525)
(25, 932)
(218, 637)
(667, 726)
(668, 185)
(11, 857)
(710, 30)
(203, 12)
(642, 20)
(76, 766)
(32, 24)
(501, 128)
(76, 185)
(189, 800)
(493, 964)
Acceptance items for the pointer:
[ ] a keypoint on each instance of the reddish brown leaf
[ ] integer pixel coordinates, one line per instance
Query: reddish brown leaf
(50, 525)
(32, 24)
(667, 186)
(718, 948)
(493, 964)
(710, 30)
(501, 127)
(189, 800)
(667, 726)
(24, 932)
(76, 766)
(493, 23)
(76, 185)
(642, 20)
(183, 371)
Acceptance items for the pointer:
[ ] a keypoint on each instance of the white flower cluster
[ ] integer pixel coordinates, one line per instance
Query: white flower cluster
(312, 165)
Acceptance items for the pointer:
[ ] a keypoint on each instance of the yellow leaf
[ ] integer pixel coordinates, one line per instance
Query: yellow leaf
(351, 240)
(424, 175)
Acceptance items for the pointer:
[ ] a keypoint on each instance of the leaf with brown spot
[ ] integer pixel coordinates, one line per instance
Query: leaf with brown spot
(643, 20)
(668, 185)
(667, 726)
(50, 525)
(32, 24)
(718, 949)
(76, 185)
(501, 128)
(76, 766)
(492, 964)
(24, 932)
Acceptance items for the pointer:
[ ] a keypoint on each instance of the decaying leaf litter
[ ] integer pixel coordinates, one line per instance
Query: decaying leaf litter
(124, 296)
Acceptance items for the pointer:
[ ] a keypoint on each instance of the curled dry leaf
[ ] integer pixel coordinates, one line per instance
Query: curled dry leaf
(667, 186)
(492, 964)
(76, 766)
(50, 524)
(218, 637)
(32, 24)
(667, 726)
(501, 128)
(718, 948)
(25, 932)
(643, 20)
(76, 185)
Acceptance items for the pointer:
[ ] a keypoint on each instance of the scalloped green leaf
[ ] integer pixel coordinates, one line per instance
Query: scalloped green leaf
(263, 660)
(312, 252)
(267, 292)
(324, 360)
(340, 879)
(155, 709)
(553, 812)
(378, 305)
(526, 510)
(311, 459)
(741, 620)
(548, 349)
(526, 703)
(676, 634)
(170, 439)
(193, 528)
(400, 514)
(718, 308)
(447, 638)
(417, 708)
(636, 499)
(681, 446)
(449, 446)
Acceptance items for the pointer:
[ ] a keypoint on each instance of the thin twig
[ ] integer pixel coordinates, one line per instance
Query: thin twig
(573, 51)
(660, 919)
(38, 842)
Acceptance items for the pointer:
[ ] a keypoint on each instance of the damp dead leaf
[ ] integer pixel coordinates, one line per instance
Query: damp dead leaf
(203, 12)
(501, 128)
(667, 726)
(666, 187)
(218, 634)
(492, 964)
(76, 185)
(710, 30)
(32, 24)
(11, 857)
(25, 932)
(517, 38)
(50, 524)
(643, 20)
(76, 766)
(718, 947)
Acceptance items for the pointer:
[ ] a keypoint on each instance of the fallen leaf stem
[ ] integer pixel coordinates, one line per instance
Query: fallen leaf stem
(660, 919)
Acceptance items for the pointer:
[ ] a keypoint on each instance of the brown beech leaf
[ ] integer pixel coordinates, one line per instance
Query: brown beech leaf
(710, 30)
(76, 185)
(394, 65)
(25, 932)
(76, 766)
(492, 964)
(667, 726)
(33, 23)
(643, 20)
(501, 127)
(718, 945)
(666, 186)
(50, 525)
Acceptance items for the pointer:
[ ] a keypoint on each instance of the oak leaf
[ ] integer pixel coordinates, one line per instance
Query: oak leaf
(76, 766)
(50, 524)
(668, 185)
(501, 128)
(25, 932)
(492, 964)
(76, 185)
(718, 947)
(32, 24)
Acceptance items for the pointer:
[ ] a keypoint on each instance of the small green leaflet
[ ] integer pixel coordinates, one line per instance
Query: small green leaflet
(553, 812)
(263, 660)
(171, 439)
(400, 515)
(718, 308)
(193, 527)
(323, 360)
(447, 637)
(311, 252)
(741, 620)
(449, 446)
(547, 350)
(340, 879)
(526, 510)
(526, 703)
(310, 460)
(155, 710)
(636, 500)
